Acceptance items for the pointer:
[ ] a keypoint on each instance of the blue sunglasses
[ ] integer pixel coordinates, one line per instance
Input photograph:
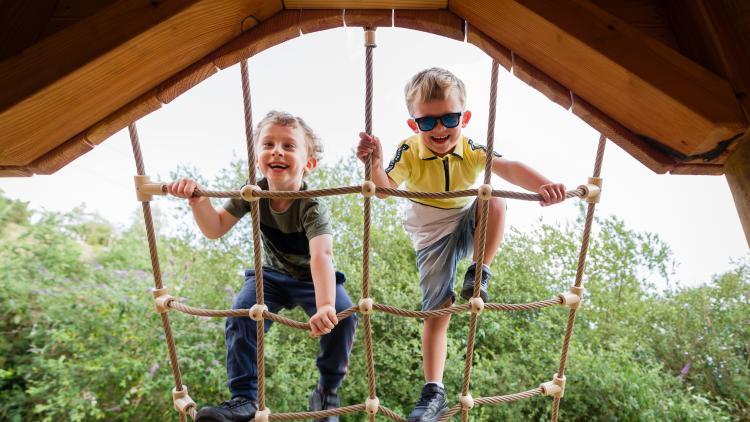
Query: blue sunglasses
(427, 123)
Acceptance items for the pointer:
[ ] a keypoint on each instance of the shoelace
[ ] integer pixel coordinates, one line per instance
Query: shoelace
(230, 404)
(425, 398)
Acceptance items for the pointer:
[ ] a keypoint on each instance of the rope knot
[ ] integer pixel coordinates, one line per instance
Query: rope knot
(145, 190)
(371, 405)
(256, 311)
(247, 192)
(262, 415)
(572, 299)
(554, 388)
(368, 189)
(182, 401)
(370, 37)
(477, 305)
(161, 300)
(365, 305)
(593, 190)
(467, 402)
(484, 192)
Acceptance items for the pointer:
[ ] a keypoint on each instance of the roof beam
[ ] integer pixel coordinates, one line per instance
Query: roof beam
(648, 87)
(737, 172)
(76, 77)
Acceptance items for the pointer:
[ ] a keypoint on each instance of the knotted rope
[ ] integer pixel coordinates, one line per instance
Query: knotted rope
(372, 407)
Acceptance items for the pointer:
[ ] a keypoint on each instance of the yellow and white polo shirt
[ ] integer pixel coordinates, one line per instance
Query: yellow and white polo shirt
(419, 169)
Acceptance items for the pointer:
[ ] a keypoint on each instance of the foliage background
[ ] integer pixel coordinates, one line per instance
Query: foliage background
(79, 339)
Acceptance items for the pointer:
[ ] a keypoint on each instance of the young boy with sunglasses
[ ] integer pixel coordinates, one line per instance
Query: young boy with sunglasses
(298, 267)
(439, 158)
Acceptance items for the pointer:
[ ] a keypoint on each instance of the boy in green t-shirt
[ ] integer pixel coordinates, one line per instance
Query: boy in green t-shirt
(298, 267)
(439, 158)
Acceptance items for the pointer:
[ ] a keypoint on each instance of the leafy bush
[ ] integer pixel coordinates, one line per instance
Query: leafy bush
(80, 339)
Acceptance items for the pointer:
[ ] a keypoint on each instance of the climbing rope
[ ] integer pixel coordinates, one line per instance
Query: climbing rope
(369, 353)
(186, 406)
(164, 302)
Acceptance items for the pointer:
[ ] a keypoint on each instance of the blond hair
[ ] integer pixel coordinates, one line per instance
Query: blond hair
(433, 84)
(282, 118)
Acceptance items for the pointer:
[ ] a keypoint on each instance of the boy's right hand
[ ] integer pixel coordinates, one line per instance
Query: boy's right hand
(323, 321)
(369, 146)
(184, 188)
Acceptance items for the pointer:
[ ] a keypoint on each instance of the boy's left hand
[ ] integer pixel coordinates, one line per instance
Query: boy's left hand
(323, 321)
(552, 193)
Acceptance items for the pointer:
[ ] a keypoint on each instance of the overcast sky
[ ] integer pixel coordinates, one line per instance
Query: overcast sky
(321, 78)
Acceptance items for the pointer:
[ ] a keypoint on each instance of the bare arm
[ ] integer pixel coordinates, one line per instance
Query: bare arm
(370, 146)
(324, 279)
(526, 177)
(213, 223)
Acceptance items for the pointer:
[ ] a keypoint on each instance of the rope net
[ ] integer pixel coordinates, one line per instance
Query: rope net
(372, 407)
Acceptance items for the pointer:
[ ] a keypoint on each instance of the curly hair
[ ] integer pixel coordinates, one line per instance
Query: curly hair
(282, 118)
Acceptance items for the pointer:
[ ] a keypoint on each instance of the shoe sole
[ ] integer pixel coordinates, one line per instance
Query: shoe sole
(440, 415)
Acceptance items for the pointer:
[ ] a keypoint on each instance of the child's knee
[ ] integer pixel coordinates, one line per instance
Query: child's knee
(497, 207)
(349, 324)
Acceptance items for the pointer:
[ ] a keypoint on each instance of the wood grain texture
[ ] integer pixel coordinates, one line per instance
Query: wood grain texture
(15, 171)
(366, 4)
(184, 80)
(140, 107)
(737, 171)
(368, 18)
(491, 47)
(320, 20)
(61, 156)
(272, 31)
(649, 16)
(21, 23)
(542, 82)
(697, 169)
(639, 82)
(438, 22)
(101, 64)
(655, 160)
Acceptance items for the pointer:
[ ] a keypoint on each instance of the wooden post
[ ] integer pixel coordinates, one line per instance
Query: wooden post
(737, 172)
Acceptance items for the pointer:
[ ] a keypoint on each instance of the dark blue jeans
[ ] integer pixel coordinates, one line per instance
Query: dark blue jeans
(282, 291)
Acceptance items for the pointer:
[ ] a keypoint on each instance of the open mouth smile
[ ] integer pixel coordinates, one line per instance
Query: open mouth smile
(439, 139)
(277, 166)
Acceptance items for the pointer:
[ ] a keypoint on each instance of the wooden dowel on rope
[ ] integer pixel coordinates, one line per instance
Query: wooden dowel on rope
(372, 401)
(182, 401)
(253, 192)
(483, 197)
(559, 377)
(263, 412)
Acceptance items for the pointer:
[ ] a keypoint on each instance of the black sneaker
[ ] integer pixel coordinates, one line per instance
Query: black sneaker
(431, 405)
(324, 399)
(468, 289)
(237, 409)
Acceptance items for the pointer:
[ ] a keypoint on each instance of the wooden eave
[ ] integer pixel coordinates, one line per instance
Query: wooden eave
(71, 90)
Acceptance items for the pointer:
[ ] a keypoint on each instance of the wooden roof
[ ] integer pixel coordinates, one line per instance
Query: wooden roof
(665, 79)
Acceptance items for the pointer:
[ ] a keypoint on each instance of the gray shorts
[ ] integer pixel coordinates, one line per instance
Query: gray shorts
(437, 262)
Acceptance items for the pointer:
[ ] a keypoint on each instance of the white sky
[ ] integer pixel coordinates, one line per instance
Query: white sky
(320, 77)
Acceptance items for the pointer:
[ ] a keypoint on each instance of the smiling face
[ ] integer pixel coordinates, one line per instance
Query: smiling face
(283, 156)
(440, 140)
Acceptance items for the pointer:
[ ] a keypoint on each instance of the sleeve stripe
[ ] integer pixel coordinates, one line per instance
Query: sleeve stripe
(397, 158)
(475, 147)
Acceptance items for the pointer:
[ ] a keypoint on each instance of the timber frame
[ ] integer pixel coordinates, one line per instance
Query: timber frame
(667, 80)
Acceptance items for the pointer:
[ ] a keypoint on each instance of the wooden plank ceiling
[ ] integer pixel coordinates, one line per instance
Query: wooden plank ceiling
(654, 75)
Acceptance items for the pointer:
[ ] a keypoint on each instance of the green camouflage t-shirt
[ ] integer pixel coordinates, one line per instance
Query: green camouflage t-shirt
(286, 235)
